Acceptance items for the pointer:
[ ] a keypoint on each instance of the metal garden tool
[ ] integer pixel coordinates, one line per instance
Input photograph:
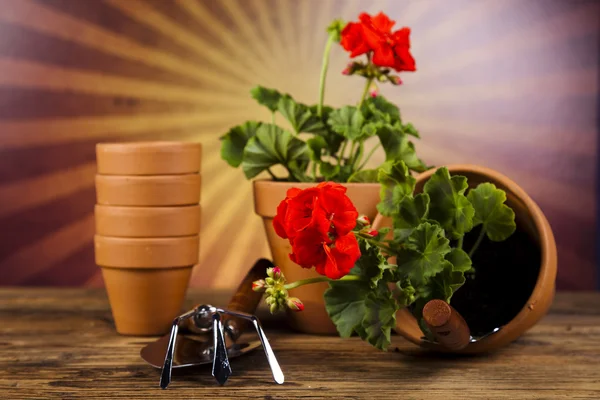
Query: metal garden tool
(213, 335)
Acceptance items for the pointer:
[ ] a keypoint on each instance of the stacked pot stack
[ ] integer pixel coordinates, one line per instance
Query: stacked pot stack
(147, 227)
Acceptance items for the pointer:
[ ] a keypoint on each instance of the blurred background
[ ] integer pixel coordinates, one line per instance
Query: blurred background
(511, 85)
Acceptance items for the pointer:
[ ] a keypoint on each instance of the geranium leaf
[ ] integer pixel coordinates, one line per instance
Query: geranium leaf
(299, 115)
(345, 304)
(497, 218)
(364, 176)
(372, 265)
(316, 144)
(381, 110)
(328, 170)
(398, 147)
(234, 142)
(333, 139)
(446, 283)
(396, 182)
(448, 204)
(272, 145)
(379, 319)
(347, 121)
(409, 129)
(422, 255)
(404, 293)
(411, 213)
(459, 259)
(266, 97)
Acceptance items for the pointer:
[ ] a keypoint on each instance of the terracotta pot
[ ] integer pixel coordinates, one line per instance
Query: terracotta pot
(134, 222)
(148, 158)
(155, 190)
(146, 280)
(530, 218)
(267, 196)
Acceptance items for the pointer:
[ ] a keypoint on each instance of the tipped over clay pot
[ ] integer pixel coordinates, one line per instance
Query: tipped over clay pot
(533, 225)
(154, 190)
(267, 196)
(147, 222)
(146, 280)
(148, 158)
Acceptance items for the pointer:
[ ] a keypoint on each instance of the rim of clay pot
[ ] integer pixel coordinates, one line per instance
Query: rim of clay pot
(542, 295)
(266, 210)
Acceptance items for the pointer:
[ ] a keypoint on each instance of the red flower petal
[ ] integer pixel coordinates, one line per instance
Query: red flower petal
(383, 23)
(308, 249)
(383, 56)
(339, 210)
(341, 258)
(352, 39)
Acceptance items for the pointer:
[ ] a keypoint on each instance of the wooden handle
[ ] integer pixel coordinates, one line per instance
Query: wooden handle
(447, 325)
(245, 299)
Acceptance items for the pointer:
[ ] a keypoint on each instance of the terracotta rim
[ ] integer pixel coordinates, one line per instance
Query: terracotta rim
(548, 268)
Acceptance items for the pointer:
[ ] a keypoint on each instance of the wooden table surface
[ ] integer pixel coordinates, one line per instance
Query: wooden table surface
(60, 343)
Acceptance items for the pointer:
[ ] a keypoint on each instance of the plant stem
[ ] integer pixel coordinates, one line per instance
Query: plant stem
(365, 92)
(351, 156)
(359, 155)
(477, 242)
(342, 152)
(324, 66)
(460, 242)
(314, 171)
(272, 174)
(273, 117)
(318, 279)
(369, 155)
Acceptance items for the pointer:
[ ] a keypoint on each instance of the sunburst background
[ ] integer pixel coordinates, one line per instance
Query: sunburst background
(508, 84)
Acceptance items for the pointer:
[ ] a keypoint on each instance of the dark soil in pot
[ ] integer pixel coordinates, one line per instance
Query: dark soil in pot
(505, 276)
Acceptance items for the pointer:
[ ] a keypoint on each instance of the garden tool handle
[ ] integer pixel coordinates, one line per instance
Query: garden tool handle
(447, 325)
(244, 299)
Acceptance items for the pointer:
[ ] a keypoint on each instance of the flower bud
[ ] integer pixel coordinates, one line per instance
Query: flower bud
(270, 300)
(363, 220)
(269, 281)
(373, 232)
(395, 79)
(295, 304)
(259, 285)
(274, 308)
(277, 274)
(281, 301)
(270, 291)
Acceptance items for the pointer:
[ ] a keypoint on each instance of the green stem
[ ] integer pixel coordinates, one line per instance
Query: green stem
(460, 242)
(365, 92)
(314, 171)
(324, 66)
(369, 156)
(272, 174)
(359, 155)
(351, 156)
(273, 117)
(478, 242)
(318, 279)
(342, 152)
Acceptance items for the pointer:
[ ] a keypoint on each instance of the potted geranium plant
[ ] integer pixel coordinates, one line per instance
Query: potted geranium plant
(437, 227)
(325, 143)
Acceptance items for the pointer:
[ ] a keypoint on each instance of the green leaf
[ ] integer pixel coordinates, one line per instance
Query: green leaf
(411, 213)
(446, 283)
(448, 204)
(364, 176)
(497, 218)
(423, 253)
(379, 319)
(404, 293)
(460, 260)
(299, 115)
(266, 97)
(372, 265)
(328, 170)
(316, 144)
(381, 110)
(234, 142)
(345, 304)
(347, 121)
(272, 145)
(396, 182)
(398, 147)
(409, 129)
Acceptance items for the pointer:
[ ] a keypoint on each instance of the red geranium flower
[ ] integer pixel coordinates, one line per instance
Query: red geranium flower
(390, 49)
(340, 258)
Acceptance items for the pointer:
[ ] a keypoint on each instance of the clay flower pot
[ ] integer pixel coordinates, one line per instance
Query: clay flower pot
(146, 280)
(155, 190)
(531, 220)
(267, 196)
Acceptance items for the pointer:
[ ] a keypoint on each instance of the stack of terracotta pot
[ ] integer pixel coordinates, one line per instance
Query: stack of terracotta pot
(147, 226)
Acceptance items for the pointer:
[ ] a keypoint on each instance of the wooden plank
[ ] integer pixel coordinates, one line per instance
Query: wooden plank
(60, 343)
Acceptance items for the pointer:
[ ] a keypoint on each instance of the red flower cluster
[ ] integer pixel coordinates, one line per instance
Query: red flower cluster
(318, 223)
(390, 49)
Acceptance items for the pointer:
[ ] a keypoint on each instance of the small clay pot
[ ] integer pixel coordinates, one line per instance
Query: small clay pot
(146, 280)
(147, 222)
(529, 218)
(148, 158)
(155, 190)
(267, 196)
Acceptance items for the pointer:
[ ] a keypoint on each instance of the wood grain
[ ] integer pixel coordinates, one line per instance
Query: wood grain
(62, 344)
